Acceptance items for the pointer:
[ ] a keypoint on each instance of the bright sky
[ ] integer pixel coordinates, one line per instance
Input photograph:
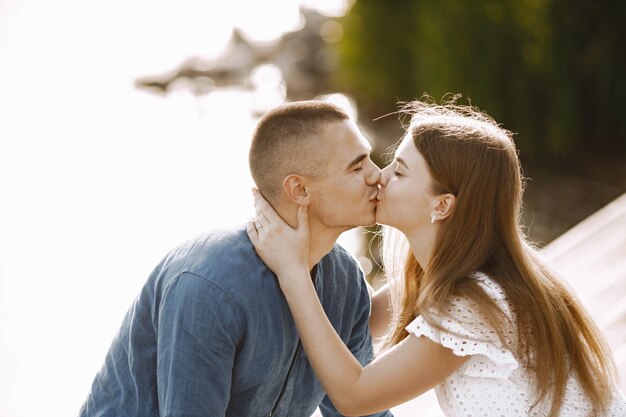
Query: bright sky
(99, 180)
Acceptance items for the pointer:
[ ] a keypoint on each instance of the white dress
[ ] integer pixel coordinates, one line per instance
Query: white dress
(491, 383)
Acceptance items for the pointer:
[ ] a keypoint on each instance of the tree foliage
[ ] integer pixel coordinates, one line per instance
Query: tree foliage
(552, 71)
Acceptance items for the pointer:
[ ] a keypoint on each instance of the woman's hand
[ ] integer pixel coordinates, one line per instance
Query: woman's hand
(284, 250)
(413, 366)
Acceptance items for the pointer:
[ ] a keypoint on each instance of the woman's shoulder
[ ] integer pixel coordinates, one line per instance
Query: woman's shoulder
(462, 300)
(494, 290)
(491, 287)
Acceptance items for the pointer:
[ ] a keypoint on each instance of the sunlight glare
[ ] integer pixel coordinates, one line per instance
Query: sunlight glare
(99, 179)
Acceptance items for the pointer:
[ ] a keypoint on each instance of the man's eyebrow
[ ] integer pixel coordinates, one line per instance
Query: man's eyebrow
(401, 161)
(358, 159)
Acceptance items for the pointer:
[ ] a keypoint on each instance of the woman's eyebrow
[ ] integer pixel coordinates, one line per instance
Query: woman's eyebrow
(401, 161)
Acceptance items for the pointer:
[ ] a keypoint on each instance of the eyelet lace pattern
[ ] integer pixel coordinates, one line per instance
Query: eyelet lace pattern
(492, 382)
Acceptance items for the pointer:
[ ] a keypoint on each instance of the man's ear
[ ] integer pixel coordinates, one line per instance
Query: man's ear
(444, 206)
(295, 188)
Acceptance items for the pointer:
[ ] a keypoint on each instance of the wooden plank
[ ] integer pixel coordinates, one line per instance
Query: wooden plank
(591, 258)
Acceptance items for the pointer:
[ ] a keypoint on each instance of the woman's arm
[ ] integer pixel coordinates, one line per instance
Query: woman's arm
(403, 372)
(407, 370)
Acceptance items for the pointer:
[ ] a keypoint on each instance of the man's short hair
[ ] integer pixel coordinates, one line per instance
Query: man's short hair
(289, 140)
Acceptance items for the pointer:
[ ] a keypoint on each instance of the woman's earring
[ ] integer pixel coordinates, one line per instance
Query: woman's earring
(433, 217)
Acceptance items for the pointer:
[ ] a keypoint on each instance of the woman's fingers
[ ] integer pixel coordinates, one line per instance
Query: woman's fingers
(279, 245)
(253, 233)
(303, 218)
(264, 210)
(260, 217)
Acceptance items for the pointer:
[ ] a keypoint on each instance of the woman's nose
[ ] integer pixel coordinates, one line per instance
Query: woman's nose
(384, 176)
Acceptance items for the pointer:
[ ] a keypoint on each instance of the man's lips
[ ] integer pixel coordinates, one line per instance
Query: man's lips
(374, 197)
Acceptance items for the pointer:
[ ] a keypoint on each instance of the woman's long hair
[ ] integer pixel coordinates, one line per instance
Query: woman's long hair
(470, 156)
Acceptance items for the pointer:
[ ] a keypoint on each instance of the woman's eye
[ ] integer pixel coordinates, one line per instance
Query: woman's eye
(397, 174)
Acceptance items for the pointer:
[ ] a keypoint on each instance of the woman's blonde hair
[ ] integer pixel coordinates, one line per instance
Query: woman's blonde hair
(470, 156)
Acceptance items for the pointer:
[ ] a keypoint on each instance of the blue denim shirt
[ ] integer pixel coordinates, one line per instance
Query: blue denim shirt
(211, 335)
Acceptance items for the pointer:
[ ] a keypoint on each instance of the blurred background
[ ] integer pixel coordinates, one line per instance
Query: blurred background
(125, 125)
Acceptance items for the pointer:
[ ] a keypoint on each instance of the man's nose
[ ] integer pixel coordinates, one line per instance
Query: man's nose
(373, 177)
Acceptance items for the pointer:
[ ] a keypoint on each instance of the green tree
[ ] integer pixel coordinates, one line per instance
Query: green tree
(549, 70)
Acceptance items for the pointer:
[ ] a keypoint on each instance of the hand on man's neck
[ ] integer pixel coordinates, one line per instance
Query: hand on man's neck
(322, 238)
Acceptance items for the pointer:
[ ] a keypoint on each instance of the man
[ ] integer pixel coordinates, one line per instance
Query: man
(211, 334)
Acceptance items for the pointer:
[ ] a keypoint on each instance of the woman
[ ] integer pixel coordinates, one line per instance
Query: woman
(473, 311)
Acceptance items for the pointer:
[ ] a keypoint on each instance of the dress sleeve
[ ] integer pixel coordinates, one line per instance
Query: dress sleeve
(461, 328)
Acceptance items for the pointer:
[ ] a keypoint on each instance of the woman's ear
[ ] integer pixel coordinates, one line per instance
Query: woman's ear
(295, 188)
(444, 207)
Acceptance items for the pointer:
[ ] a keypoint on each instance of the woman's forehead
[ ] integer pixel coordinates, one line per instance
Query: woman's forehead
(405, 146)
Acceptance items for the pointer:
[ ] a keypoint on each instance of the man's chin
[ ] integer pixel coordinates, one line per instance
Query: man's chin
(365, 221)
(380, 219)
(371, 223)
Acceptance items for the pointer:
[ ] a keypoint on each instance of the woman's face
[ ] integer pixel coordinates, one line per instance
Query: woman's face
(405, 199)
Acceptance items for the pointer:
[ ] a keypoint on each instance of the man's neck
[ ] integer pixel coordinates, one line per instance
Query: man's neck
(322, 238)
(321, 242)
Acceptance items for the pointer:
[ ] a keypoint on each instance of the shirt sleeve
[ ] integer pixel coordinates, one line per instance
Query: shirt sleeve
(463, 329)
(360, 344)
(197, 338)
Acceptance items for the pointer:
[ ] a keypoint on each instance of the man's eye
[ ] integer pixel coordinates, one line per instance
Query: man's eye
(397, 174)
(357, 168)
